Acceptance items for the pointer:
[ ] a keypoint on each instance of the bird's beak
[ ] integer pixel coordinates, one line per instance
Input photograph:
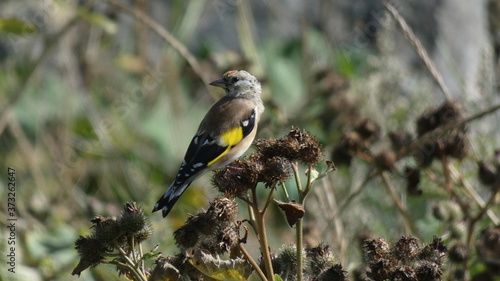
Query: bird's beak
(219, 83)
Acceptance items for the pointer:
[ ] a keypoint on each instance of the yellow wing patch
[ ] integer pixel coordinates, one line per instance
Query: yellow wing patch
(230, 138)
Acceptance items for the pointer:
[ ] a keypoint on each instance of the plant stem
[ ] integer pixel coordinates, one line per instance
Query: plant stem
(285, 191)
(308, 186)
(264, 245)
(299, 242)
(295, 168)
(132, 248)
(262, 237)
(131, 265)
(269, 199)
(252, 262)
(410, 228)
(473, 221)
(298, 225)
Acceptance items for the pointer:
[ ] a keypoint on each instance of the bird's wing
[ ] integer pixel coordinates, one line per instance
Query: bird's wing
(205, 148)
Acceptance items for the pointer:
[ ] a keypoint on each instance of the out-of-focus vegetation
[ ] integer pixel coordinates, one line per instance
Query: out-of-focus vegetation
(100, 99)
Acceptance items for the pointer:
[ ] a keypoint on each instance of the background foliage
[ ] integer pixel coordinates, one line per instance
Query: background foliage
(100, 99)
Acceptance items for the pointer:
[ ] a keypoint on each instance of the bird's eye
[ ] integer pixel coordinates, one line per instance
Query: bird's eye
(235, 79)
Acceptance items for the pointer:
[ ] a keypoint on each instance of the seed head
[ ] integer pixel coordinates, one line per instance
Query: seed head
(429, 271)
(459, 252)
(412, 181)
(91, 252)
(406, 248)
(333, 273)
(368, 129)
(297, 145)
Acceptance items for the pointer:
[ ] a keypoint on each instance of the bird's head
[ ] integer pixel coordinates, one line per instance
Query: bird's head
(238, 83)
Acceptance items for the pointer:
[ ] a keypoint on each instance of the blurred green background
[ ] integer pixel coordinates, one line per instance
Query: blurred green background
(98, 104)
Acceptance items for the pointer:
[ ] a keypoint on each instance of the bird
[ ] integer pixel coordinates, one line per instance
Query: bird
(225, 133)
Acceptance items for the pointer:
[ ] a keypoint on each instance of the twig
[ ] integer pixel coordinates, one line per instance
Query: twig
(131, 263)
(448, 184)
(244, 25)
(298, 226)
(299, 242)
(473, 221)
(309, 185)
(356, 193)
(410, 227)
(252, 262)
(295, 168)
(474, 195)
(262, 236)
(440, 131)
(422, 53)
(162, 32)
(269, 199)
(51, 43)
(283, 186)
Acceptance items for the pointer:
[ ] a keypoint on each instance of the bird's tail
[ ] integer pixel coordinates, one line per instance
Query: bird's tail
(171, 196)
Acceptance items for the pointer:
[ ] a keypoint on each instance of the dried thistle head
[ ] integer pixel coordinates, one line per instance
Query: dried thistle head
(285, 261)
(187, 236)
(459, 252)
(399, 140)
(368, 129)
(454, 144)
(213, 230)
(223, 209)
(133, 221)
(404, 260)
(448, 112)
(488, 248)
(434, 252)
(309, 149)
(412, 181)
(320, 258)
(375, 249)
(226, 239)
(333, 273)
(108, 231)
(457, 144)
(298, 145)
(236, 179)
(276, 170)
(386, 160)
(486, 173)
(91, 251)
(341, 155)
(406, 248)
(382, 269)
(352, 141)
(430, 271)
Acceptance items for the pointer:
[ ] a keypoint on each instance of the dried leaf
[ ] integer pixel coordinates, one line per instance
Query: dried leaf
(293, 211)
(230, 270)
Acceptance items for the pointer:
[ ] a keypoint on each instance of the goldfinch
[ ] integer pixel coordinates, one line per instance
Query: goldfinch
(225, 133)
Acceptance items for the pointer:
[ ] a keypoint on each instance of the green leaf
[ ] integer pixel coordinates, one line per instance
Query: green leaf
(329, 168)
(229, 270)
(314, 173)
(151, 255)
(16, 26)
(105, 23)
